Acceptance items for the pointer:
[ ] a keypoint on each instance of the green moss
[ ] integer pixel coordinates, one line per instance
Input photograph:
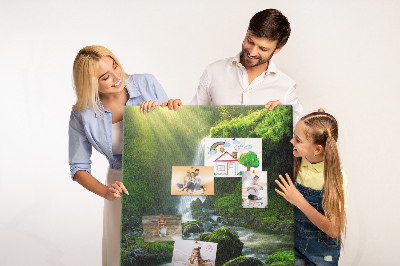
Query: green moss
(229, 244)
(244, 261)
(284, 258)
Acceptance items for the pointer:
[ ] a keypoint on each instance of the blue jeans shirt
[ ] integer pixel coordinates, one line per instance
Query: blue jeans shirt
(87, 130)
(313, 246)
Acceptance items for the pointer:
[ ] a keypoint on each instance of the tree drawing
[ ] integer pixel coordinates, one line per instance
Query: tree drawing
(249, 159)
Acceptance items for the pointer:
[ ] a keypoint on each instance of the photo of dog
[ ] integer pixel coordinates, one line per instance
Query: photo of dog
(161, 230)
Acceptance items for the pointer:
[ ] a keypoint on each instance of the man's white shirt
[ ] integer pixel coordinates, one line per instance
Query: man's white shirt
(225, 82)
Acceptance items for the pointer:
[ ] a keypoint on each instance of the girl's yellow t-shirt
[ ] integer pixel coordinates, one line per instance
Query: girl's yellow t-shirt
(312, 176)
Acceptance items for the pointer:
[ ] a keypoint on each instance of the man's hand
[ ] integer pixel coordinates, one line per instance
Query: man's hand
(272, 104)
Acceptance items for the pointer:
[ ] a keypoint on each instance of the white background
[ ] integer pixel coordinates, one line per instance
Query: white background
(343, 55)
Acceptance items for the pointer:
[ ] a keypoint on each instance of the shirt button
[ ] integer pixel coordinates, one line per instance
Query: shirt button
(309, 173)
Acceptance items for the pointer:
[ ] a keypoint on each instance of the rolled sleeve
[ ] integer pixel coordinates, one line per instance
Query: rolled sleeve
(80, 149)
(158, 90)
(291, 99)
(202, 96)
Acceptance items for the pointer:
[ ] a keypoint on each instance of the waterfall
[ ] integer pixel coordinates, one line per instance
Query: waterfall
(198, 159)
(184, 201)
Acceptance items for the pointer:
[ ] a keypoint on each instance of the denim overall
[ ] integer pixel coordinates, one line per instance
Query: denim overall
(313, 247)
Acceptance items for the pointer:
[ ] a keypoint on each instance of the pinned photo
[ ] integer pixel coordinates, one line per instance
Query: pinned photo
(189, 252)
(162, 228)
(231, 156)
(192, 180)
(254, 189)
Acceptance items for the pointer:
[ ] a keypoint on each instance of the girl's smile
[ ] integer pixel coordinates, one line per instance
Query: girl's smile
(303, 147)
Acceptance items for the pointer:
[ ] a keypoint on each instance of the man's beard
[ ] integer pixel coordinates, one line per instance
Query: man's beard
(260, 61)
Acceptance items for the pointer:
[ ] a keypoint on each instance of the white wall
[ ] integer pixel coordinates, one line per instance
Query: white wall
(344, 57)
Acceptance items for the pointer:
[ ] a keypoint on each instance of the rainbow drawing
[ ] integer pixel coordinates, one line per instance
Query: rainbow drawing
(216, 144)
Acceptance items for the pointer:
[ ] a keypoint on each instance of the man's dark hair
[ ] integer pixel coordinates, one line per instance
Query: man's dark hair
(270, 24)
(197, 170)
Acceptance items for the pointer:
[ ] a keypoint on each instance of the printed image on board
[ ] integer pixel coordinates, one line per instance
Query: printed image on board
(189, 252)
(230, 156)
(162, 139)
(192, 180)
(162, 228)
(254, 189)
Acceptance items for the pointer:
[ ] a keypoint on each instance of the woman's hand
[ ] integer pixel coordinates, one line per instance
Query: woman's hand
(146, 106)
(289, 191)
(172, 104)
(271, 105)
(115, 191)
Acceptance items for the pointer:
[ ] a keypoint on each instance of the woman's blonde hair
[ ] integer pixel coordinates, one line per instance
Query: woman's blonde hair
(322, 129)
(86, 83)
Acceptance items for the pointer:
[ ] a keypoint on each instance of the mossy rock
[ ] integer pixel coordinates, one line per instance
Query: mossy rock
(195, 227)
(229, 244)
(196, 208)
(244, 261)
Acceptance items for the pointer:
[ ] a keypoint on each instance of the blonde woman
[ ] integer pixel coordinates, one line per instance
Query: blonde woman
(103, 89)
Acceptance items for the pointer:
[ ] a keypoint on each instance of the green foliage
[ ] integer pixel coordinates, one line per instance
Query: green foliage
(229, 245)
(244, 261)
(139, 251)
(284, 258)
(249, 159)
(196, 207)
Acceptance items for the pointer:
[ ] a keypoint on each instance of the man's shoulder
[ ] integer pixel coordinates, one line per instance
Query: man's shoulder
(222, 63)
(282, 76)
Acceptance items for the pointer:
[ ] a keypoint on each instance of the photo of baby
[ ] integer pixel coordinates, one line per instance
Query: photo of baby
(192, 180)
(162, 228)
(194, 253)
(254, 189)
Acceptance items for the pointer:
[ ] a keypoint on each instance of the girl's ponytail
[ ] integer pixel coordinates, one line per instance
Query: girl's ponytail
(333, 201)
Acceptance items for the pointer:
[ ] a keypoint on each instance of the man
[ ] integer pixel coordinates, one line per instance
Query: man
(199, 182)
(251, 77)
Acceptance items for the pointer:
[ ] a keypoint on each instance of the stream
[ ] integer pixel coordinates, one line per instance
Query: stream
(256, 244)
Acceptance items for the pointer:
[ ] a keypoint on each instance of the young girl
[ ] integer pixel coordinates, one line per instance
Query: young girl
(196, 259)
(186, 179)
(319, 192)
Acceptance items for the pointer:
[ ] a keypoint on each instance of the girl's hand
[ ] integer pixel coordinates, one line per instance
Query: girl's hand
(289, 191)
(172, 104)
(146, 106)
(115, 191)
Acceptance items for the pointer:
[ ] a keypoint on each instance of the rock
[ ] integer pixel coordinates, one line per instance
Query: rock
(244, 261)
(229, 244)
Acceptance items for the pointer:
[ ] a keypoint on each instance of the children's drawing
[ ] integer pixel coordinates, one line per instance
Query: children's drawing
(230, 156)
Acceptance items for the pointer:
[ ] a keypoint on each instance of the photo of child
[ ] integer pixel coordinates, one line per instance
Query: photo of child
(192, 180)
(194, 253)
(162, 228)
(254, 189)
